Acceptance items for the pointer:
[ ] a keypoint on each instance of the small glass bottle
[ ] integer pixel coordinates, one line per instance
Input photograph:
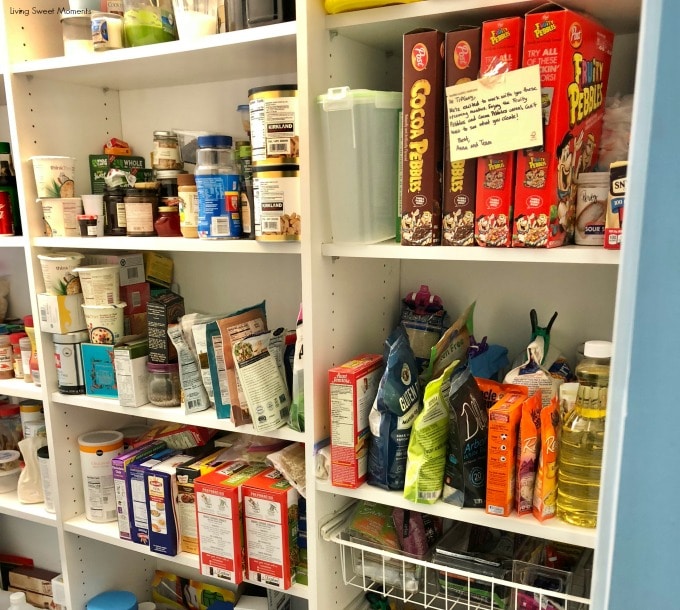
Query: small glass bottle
(114, 202)
(141, 211)
(167, 223)
(166, 151)
(188, 205)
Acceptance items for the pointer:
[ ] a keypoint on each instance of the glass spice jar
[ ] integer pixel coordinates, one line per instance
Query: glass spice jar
(163, 384)
(167, 223)
(166, 153)
(141, 210)
(114, 203)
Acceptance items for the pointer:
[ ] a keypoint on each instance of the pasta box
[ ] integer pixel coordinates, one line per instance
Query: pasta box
(270, 513)
(574, 55)
(130, 358)
(161, 488)
(352, 388)
(218, 510)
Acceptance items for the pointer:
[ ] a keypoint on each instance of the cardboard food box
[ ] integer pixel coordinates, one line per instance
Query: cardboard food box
(161, 311)
(161, 487)
(613, 222)
(131, 266)
(130, 358)
(218, 510)
(501, 52)
(352, 389)
(99, 370)
(159, 269)
(187, 474)
(136, 324)
(504, 417)
(101, 164)
(136, 482)
(270, 509)
(33, 579)
(37, 600)
(61, 313)
(120, 464)
(461, 64)
(422, 137)
(574, 54)
(136, 296)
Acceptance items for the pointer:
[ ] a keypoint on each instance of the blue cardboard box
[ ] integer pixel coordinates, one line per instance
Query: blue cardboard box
(98, 370)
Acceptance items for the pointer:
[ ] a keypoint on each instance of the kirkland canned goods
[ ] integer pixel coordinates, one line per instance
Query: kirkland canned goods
(276, 191)
(274, 134)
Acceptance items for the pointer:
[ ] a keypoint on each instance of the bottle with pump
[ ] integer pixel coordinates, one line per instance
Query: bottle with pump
(580, 449)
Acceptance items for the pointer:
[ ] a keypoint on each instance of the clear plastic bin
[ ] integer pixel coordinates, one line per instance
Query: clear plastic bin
(361, 141)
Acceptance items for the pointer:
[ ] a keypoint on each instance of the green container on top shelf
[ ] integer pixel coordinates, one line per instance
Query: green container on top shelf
(146, 22)
(8, 184)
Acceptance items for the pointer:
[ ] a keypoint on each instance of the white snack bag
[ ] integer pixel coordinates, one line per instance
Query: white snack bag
(263, 386)
(532, 375)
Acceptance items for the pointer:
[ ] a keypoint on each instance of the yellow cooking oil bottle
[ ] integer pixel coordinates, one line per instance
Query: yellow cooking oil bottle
(580, 450)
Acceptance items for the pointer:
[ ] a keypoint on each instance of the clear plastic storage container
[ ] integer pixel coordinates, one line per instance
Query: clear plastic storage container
(361, 140)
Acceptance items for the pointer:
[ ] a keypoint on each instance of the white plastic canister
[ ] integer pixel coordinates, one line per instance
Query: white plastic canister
(97, 449)
(45, 478)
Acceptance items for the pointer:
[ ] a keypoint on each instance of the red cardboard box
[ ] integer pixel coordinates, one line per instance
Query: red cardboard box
(218, 512)
(422, 133)
(501, 52)
(136, 296)
(270, 512)
(574, 54)
(352, 389)
(461, 64)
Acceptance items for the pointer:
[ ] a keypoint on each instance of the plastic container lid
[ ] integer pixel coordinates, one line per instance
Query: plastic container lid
(15, 337)
(9, 456)
(8, 410)
(154, 367)
(598, 349)
(344, 98)
(168, 174)
(106, 440)
(216, 141)
(113, 600)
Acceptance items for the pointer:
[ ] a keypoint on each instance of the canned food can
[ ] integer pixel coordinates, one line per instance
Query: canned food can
(274, 128)
(276, 191)
(69, 362)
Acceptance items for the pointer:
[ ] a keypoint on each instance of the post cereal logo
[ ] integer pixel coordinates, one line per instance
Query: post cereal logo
(575, 35)
(543, 27)
(462, 55)
(419, 57)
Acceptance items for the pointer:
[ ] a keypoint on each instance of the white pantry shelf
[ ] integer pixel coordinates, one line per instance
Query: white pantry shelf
(20, 389)
(14, 241)
(36, 513)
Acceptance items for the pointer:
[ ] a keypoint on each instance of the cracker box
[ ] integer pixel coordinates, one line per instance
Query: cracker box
(501, 52)
(504, 419)
(130, 358)
(187, 473)
(613, 224)
(422, 133)
(162, 311)
(120, 464)
(136, 483)
(461, 64)
(574, 55)
(270, 513)
(352, 389)
(101, 164)
(161, 489)
(221, 549)
(99, 370)
(33, 579)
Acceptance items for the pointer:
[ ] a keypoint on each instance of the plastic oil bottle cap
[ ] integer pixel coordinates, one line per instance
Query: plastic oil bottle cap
(597, 349)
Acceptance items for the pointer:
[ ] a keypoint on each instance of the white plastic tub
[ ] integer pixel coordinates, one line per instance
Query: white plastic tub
(361, 141)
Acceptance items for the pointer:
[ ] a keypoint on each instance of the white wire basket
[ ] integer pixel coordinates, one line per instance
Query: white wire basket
(427, 584)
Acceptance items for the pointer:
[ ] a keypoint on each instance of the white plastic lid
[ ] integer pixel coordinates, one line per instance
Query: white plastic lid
(598, 349)
(593, 179)
(18, 598)
(100, 438)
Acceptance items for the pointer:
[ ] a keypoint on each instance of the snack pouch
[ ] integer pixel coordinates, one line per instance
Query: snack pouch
(527, 453)
(200, 341)
(422, 317)
(453, 345)
(545, 489)
(493, 391)
(194, 396)
(417, 532)
(373, 522)
(297, 407)
(391, 417)
(532, 375)
(428, 443)
(465, 469)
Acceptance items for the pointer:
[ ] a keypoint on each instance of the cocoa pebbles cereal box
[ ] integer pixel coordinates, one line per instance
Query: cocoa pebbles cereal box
(574, 55)
(461, 64)
(422, 137)
(501, 52)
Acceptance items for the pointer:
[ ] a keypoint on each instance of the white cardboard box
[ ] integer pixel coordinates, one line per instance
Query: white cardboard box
(131, 265)
(61, 313)
(130, 360)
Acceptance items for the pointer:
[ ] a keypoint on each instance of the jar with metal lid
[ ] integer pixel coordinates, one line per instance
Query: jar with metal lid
(6, 370)
(217, 181)
(116, 223)
(167, 223)
(69, 363)
(188, 205)
(166, 153)
(164, 385)
(141, 211)
(167, 186)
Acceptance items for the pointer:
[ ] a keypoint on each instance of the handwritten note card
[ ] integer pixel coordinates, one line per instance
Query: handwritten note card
(495, 114)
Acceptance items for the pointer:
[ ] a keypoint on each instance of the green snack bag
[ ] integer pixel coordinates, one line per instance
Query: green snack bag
(427, 446)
